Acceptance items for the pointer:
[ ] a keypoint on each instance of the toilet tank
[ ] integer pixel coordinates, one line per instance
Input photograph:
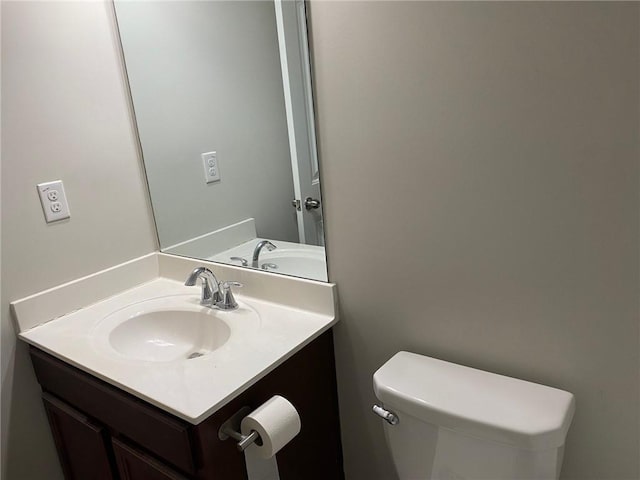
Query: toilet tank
(461, 423)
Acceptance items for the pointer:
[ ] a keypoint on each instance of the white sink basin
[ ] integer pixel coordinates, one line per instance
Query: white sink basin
(293, 262)
(300, 260)
(168, 329)
(168, 335)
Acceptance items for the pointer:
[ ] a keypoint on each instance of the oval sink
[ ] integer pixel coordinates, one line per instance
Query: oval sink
(295, 262)
(162, 336)
(172, 328)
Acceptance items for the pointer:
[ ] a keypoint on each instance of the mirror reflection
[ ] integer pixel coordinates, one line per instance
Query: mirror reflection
(222, 98)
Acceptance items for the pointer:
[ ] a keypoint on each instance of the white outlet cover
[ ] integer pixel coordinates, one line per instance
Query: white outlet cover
(211, 171)
(54, 201)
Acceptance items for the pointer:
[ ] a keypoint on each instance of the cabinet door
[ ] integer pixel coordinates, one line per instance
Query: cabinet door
(81, 444)
(162, 434)
(135, 465)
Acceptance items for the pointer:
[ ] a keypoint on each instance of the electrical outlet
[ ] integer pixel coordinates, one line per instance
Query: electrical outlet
(211, 171)
(54, 201)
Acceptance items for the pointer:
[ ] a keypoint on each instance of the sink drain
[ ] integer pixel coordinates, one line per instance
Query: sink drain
(195, 355)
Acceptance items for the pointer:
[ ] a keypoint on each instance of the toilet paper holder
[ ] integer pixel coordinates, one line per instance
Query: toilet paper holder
(231, 429)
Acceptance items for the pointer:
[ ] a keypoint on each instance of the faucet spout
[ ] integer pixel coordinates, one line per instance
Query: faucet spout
(210, 285)
(256, 253)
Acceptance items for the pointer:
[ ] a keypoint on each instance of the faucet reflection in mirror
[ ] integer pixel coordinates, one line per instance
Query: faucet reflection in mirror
(222, 97)
(255, 263)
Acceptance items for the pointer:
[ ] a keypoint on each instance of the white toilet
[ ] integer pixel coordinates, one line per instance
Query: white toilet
(459, 423)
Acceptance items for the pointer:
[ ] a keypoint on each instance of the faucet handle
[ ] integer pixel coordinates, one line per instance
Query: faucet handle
(228, 302)
(243, 261)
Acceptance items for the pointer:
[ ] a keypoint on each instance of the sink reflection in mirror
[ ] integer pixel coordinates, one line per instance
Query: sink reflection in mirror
(171, 328)
(223, 104)
(288, 258)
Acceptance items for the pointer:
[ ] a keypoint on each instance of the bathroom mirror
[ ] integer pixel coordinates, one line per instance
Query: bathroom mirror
(221, 92)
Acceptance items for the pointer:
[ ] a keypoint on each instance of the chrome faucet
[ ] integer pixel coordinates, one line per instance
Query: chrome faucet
(256, 253)
(214, 294)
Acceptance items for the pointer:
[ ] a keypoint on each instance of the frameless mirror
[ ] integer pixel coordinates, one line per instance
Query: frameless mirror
(222, 97)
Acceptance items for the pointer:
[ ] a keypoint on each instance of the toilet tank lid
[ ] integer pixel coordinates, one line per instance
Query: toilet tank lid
(474, 402)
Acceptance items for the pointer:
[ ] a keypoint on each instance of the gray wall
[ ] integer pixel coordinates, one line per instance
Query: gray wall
(206, 76)
(64, 116)
(496, 143)
(497, 147)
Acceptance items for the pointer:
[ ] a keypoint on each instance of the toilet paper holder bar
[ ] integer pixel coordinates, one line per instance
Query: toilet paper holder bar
(231, 429)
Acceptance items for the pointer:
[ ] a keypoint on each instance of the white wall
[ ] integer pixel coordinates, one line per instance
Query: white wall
(503, 138)
(496, 145)
(64, 116)
(205, 76)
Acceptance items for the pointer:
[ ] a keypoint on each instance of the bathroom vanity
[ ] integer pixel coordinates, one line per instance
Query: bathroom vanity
(137, 383)
(102, 432)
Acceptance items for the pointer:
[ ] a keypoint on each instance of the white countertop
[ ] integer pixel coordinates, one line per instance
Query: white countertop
(192, 389)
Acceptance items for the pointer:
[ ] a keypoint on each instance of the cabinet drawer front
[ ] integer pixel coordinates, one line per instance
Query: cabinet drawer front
(81, 444)
(135, 465)
(161, 433)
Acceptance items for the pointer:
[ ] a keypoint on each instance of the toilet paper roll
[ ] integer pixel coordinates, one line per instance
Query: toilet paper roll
(276, 421)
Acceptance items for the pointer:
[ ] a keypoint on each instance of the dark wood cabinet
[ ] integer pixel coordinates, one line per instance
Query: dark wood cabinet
(102, 432)
(135, 465)
(82, 445)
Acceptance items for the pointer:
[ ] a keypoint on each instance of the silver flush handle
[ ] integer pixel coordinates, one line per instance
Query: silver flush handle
(390, 417)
